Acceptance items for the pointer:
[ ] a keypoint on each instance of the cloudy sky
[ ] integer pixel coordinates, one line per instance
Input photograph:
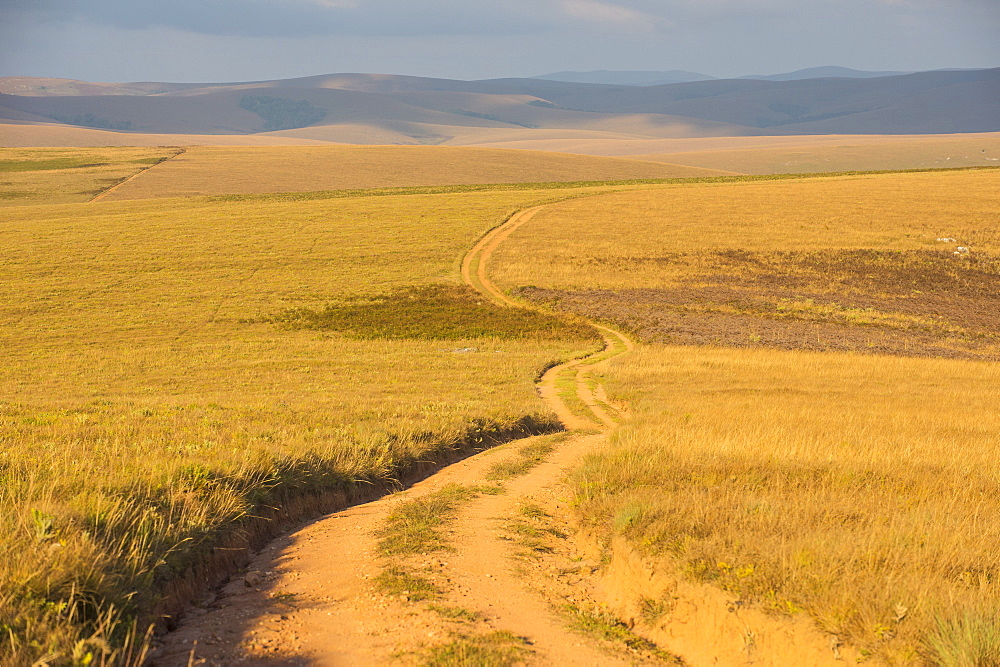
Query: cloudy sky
(241, 40)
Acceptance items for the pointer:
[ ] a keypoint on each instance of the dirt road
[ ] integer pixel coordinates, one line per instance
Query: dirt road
(510, 586)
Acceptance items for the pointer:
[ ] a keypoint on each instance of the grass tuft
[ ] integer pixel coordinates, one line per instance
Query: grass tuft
(606, 626)
(965, 640)
(528, 457)
(414, 526)
(496, 649)
(455, 613)
(398, 581)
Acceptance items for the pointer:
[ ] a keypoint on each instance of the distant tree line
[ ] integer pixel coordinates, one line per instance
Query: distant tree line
(281, 114)
(90, 120)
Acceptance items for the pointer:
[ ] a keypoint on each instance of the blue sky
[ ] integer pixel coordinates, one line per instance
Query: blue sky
(240, 40)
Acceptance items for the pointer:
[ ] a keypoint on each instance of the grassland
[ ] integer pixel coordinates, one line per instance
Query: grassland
(67, 175)
(844, 263)
(154, 407)
(846, 154)
(180, 371)
(863, 493)
(222, 170)
(857, 489)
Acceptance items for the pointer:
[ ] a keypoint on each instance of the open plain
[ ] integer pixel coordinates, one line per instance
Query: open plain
(780, 448)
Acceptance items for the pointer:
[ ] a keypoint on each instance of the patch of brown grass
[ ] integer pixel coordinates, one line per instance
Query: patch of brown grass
(846, 263)
(915, 302)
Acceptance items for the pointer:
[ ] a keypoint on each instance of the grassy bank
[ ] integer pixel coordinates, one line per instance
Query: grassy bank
(859, 490)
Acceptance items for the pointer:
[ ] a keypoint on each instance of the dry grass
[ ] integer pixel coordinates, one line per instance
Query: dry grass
(846, 154)
(67, 175)
(239, 170)
(847, 263)
(858, 489)
(149, 409)
(862, 491)
(884, 211)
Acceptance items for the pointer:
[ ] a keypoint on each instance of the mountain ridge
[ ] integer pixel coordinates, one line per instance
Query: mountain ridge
(369, 108)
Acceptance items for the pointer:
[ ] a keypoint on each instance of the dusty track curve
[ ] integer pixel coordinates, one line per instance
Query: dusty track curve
(309, 597)
(577, 371)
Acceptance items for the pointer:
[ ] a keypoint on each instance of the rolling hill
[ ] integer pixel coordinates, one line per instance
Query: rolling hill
(656, 78)
(386, 109)
(627, 78)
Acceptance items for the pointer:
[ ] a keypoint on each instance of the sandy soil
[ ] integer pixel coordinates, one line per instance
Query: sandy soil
(309, 598)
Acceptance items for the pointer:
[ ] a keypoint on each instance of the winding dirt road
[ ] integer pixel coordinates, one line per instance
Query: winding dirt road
(513, 583)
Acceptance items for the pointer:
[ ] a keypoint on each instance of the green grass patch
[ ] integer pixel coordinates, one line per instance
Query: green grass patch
(401, 582)
(567, 391)
(489, 489)
(528, 457)
(532, 511)
(965, 640)
(48, 165)
(17, 194)
(496, 649)
(432, 312)
(414, 526)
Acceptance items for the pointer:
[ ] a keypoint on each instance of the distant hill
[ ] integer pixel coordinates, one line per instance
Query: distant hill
(822, 73)
(643, 78)
(387, 109)
(627, 78)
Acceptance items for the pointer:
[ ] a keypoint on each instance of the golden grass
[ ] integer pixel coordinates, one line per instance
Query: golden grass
(228, 170)
(858, 489)
(862, 491)
(847, 154)
(835, 263)
(67, 175)
(148, 409)
(884, 211)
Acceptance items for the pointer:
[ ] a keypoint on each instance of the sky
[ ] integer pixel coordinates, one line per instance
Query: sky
(247, 40)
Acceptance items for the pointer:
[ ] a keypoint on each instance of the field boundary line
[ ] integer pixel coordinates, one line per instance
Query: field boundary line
(105, 193)
(576, 372)
(347, 193)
